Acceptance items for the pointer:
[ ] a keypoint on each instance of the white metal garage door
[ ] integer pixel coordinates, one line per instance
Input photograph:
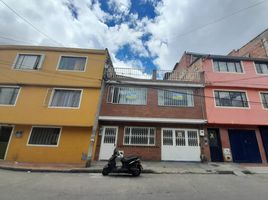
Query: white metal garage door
(180, 144)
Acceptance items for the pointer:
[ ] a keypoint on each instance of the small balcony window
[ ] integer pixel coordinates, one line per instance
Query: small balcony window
(8, 95)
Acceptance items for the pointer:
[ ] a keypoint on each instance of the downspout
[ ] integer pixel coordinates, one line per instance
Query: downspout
(96, 122)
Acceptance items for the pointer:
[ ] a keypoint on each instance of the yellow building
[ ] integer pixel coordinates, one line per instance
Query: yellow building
(49, 98)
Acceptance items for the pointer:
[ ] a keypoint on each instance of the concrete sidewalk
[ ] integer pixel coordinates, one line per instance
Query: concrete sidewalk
(148, 167)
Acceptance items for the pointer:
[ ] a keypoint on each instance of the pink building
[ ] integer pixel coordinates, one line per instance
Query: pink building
(236, 101)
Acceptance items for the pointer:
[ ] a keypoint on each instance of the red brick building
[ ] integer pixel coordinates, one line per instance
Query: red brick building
(257, 47)
(157, 116)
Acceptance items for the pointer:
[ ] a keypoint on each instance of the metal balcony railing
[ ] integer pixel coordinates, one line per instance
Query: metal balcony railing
(158, 75)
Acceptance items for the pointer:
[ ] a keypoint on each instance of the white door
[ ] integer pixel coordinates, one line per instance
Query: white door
(180, 145)
(108, 142)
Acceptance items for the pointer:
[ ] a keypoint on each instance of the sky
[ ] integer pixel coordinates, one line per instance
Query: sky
(144, 34)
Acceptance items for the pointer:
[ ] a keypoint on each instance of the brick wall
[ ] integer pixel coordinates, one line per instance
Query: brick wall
(153, 110)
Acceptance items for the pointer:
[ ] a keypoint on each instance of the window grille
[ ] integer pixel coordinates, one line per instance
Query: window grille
(72, 63)
(139, 136)
(109, 135)
(65, 98)
(44, 136)
(192, 138)
(180, 138)
(27, 61)
(8, 95)
(183, 98)
(231, 99)
(168, 137)
(127, 95)
(261, 68)
(227, 66)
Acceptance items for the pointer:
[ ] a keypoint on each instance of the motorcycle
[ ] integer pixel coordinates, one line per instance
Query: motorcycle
(131, 165)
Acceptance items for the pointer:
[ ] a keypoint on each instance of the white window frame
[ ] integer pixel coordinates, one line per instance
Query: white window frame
(41, 145)
(34, 54)
(260, 94)
(62, 107)
(230, 107)
(255, 67)
(112, 97)
(241, 63)
(9, 86)
(178, 90)
(75, 56)
(138, 144)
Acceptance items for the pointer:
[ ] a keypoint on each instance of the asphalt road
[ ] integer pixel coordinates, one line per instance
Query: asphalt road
(39, 186)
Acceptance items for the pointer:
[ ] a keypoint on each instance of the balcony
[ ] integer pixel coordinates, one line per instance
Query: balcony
(155, 75)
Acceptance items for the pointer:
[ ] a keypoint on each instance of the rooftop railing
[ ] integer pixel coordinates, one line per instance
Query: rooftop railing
(158, 75)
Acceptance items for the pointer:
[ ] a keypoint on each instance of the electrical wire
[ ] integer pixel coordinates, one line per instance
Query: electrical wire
(29, 23)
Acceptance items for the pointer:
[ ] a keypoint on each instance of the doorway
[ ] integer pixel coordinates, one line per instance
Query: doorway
(215, 145)
(5, 133)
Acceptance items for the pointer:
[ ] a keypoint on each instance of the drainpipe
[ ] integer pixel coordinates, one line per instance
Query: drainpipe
(95, 126)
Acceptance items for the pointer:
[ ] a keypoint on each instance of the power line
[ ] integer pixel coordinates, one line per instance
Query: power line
(28, 22)
(12, 39)
(218, 19)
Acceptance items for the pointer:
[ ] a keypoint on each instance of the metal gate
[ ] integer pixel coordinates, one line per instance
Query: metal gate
(180, 144)
(108, 142)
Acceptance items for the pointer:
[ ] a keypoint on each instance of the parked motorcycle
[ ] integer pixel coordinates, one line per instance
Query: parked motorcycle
(131, 165)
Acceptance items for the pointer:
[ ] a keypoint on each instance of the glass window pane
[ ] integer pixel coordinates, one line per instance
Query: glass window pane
(72, 63)
(264, 99)
(66, 98)
(231, 67)
(139, 136)
(216, 66)
(44, 136)
(175, 98)
(125, 95)
(27, 61)
(238, 67)
(223, 66)
(8, 95)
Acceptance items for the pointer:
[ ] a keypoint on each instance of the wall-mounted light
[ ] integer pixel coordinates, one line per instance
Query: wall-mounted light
(18, 134)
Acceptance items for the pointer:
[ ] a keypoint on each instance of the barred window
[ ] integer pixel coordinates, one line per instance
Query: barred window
(72, 63)
(127, 95)
(227, 66)
(66, 98)
(139, 136)
(231, 99)
(183, 98)
(264, 99)
(44, 136)
(8, 95)
(261, 68)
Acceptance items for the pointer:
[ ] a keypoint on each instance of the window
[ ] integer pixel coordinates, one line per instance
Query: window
(264, 99)
(44, 136)
(183, 98)
(28, 61)
(127, 95)
(261, 68)
(8, 95)
(231, 99)
(66, 98)
(72, 63)
(139, 136)
(227, 66)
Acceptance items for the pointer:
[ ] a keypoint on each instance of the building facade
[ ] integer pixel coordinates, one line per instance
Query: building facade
(236, 94)
(157, 116)
(48, 102)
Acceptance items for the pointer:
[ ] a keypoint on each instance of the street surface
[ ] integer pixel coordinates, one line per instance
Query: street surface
(43, 186)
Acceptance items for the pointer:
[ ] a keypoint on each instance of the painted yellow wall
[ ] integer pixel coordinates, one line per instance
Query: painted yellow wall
(73, 142)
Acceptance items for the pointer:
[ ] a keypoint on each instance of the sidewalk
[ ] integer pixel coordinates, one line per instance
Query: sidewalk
(148, 167)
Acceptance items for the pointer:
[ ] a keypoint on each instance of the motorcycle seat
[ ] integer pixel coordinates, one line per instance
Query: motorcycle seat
(129, 159)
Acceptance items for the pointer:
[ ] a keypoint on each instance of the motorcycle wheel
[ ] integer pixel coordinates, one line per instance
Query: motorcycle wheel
(105, 171)
(136, 171)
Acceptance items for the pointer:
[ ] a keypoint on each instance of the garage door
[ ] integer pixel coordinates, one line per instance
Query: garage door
(244, 146)
(180, 145)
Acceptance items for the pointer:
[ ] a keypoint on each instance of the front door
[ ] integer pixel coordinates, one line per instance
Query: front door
(215, 145)
(244, 146)
(180, 144)
(108, 142)
(5, 132)
(264, 136)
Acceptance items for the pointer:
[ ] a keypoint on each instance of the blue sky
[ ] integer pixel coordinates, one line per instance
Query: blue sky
(145, 34)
